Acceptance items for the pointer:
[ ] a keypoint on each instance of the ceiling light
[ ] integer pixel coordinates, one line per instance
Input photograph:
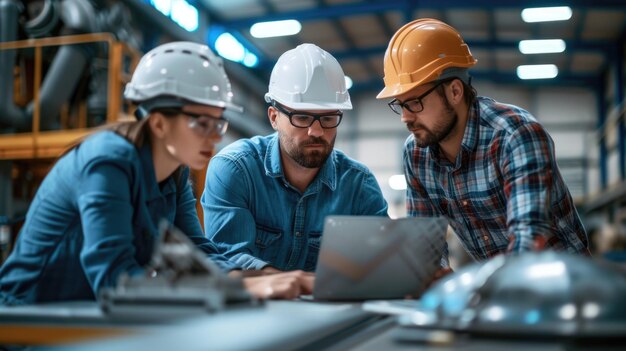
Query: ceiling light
(275, 29)
(179, 11)
(348, 82)
(164, 6)
(250, 59)
(227, 46)
(185, 15)
(537, 71)
(546, 14)
(397, 182)
(541, 46)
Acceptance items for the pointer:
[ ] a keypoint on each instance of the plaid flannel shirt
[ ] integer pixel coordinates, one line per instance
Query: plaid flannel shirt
(504, 185)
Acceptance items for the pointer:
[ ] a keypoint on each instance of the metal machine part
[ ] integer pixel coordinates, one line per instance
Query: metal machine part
(65, 71)
(10, 114)
(547, 294)
(68, 65)
(180, 281)
(43, 17)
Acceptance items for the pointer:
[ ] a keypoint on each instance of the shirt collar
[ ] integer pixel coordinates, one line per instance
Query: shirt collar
(153, 191)
(274, 168)
(470, 138)
(328, 173)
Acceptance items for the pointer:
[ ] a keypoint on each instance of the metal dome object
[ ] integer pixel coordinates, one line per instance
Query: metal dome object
(547, 294)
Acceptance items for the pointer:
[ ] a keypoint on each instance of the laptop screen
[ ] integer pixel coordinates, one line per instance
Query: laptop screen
(370, 257)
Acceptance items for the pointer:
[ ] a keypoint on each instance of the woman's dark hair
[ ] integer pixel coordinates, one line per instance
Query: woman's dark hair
(136, 132)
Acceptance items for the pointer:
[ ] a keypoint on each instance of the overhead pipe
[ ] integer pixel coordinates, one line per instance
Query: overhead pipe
(10, 114)
(59, 85)
(68, 64)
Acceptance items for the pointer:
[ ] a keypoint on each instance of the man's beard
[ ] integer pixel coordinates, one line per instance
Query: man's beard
(440, 131)
(312, 159)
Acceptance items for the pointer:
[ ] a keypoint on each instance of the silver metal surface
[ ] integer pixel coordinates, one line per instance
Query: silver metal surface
(180, 281)
(535, 294)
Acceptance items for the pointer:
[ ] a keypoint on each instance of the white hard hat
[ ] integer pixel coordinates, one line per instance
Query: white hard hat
(185, 70)
(308, 78)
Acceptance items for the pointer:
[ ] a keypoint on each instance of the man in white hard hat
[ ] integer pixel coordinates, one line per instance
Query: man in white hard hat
(266, 198)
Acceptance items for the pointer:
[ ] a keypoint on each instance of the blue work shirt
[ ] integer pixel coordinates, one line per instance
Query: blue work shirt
(94, 217)
(257, 218)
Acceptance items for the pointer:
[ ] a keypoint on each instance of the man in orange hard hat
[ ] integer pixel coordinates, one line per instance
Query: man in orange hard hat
(488, 167)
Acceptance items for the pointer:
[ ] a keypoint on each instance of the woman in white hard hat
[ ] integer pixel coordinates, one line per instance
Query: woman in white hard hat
(95, 215)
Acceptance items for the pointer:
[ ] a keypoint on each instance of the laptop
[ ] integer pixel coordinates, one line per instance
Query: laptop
(371, 257)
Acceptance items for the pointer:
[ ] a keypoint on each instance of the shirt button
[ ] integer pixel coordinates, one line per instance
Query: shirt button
(485, 238)
(464, 202)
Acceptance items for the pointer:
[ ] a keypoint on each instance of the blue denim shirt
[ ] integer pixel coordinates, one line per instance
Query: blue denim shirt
(257, 218)
(94, 217)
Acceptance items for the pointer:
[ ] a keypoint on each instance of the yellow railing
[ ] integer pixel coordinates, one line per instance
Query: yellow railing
(50, 144)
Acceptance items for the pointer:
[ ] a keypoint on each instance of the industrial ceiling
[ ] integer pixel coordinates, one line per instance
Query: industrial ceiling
(356, 32)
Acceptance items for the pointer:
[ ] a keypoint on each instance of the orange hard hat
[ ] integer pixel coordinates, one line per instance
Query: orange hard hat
(419, 52)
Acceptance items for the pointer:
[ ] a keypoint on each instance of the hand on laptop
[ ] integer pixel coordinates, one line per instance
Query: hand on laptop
(285, 285)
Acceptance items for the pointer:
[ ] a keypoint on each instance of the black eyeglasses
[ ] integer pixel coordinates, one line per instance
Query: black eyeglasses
(203, 125)
(413, 105)
(305, 120)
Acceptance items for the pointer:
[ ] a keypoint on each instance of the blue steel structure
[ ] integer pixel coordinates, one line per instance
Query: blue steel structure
(388, 14)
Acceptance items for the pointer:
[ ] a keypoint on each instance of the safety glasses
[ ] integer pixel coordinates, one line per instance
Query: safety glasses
(306, 119)
(203, 125)
(414, 105)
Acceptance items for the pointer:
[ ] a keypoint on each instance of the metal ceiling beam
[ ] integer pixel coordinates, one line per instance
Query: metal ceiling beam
(595, 46)
(155, 19)
(339, 28)
(378, 8)
(382, 21)
(603, 47)
(492, 35)
(256, 80)
(405, 5)
(578, 32)
(565, 79)
(343, 34)
(334, 12)
(270, 8)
